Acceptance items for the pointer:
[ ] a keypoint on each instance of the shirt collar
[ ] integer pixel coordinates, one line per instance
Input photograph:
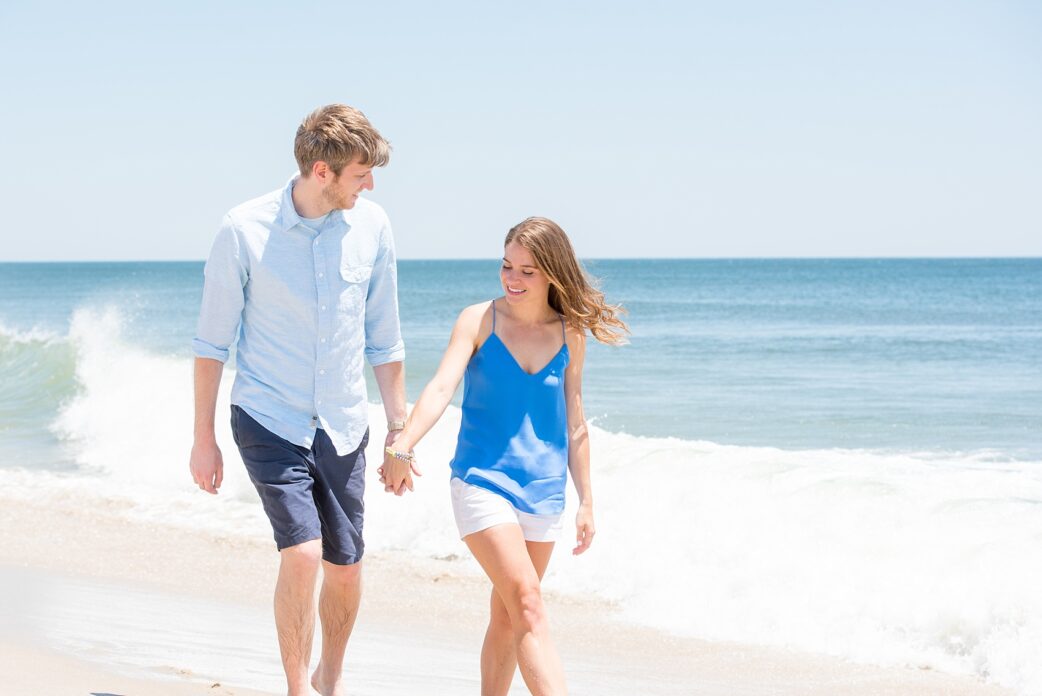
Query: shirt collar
(288, 216)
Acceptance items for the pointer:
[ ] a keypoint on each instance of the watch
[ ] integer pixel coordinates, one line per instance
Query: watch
(395, 425)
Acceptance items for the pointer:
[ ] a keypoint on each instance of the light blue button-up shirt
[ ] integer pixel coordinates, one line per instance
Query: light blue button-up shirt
(305, 307)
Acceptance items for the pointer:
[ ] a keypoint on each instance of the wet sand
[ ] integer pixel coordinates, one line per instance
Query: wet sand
(96, 603)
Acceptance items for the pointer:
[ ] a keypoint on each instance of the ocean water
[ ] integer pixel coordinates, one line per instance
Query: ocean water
(840, 456)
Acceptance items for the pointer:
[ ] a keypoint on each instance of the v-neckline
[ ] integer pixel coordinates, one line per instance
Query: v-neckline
(518, 364)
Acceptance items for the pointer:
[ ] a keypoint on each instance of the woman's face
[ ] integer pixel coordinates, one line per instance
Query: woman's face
(522, 280)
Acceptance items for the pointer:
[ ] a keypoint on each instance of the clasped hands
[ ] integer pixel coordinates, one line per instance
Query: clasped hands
(395, 473)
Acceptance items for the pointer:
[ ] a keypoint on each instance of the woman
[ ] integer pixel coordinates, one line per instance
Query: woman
(523, 428)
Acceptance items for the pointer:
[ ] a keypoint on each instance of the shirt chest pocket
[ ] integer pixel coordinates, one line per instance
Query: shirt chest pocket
(355, 273)
(354, 286)
(357, 254)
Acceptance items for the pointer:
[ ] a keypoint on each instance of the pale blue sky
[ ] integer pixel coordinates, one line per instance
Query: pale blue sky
(645, 129)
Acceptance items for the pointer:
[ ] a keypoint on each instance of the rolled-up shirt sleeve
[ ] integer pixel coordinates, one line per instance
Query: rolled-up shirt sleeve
(224, 279)
(383, 334)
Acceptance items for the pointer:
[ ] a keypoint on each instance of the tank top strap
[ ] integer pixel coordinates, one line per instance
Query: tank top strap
(564, 335)
(493, 316)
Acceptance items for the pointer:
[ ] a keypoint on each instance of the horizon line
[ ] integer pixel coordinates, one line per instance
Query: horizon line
(953, 257)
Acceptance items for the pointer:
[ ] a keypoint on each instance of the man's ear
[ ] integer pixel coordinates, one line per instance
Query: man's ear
(321, 171)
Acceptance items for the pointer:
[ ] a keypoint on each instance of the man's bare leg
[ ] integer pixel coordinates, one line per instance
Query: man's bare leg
(337, 609)
(295, 612)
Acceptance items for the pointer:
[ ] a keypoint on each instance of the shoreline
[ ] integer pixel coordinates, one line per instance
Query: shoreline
(411, 607)
(58, 673)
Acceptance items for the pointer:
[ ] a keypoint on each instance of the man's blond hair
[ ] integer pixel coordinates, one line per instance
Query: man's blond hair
(338, 135)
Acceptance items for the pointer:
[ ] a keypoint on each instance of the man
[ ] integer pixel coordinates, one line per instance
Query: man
(305, 277)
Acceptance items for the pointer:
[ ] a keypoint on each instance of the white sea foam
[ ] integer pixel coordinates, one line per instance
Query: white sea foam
(926, 559)
(893, 559)
(35, 334)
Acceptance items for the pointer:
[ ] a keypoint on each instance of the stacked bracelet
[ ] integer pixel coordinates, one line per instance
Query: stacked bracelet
(404, 456)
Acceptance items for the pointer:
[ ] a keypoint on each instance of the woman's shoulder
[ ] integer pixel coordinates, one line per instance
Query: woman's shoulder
(475, 312)
(575, 338)
(479, 307)
(473, 317)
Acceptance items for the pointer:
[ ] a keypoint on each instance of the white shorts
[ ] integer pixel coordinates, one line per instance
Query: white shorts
(477, 509)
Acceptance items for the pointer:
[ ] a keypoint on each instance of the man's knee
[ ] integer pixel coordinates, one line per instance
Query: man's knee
(304, 557)
(347, 576)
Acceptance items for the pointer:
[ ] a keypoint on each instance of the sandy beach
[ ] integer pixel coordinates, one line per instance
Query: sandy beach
(815, 461)
(97, 604)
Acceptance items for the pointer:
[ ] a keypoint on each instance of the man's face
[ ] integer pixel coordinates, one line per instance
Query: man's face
(342, 191)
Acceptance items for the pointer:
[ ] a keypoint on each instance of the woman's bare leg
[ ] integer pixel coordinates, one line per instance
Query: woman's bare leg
(515, 568)
(498, 656)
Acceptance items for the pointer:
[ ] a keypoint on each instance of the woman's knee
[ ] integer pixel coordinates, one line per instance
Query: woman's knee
(528, 612)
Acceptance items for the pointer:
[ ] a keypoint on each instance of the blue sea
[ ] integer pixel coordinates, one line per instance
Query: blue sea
(839, 456)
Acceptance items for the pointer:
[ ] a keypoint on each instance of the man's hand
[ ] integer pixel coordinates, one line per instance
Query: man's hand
(392, 435)
(396, 474)
(207, 466)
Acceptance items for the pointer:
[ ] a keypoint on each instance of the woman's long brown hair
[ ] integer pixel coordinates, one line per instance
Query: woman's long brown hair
(573, 293)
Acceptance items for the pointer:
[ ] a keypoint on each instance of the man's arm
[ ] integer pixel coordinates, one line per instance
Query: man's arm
(390, 378)
(384, 348)
(206, 462)
(225, 275)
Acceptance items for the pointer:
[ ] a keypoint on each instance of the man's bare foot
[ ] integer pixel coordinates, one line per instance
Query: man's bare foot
(311, 692)
(326, 684)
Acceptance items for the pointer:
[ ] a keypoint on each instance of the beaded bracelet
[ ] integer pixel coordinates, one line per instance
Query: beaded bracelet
(404, 456)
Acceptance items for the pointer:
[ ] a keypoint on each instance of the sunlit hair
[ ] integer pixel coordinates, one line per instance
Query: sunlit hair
(338, 135)
(572, 291)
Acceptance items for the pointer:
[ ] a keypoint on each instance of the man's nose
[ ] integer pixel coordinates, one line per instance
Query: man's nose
(368, 183)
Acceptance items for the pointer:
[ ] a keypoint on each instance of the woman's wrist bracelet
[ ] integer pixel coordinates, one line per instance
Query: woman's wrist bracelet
(397, 454)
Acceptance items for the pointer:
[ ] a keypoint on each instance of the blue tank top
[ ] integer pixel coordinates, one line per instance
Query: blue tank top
(513, 439)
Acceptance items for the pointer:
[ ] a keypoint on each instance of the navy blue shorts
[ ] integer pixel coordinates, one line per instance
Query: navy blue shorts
(307, 493)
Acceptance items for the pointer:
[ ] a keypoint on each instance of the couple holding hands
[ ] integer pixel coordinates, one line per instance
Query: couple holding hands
(304, 279)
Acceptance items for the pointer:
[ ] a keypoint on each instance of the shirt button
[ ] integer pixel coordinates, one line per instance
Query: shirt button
(319, 402)
(323, 308)
(321, 275)
(323, 340)
(321, 372)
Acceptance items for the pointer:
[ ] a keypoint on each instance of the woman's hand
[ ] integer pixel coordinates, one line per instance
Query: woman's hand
(584, 528)
(396, 474)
